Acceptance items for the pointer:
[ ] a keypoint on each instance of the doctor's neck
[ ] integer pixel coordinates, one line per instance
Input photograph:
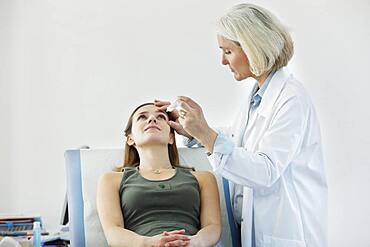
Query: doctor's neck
(261, 79)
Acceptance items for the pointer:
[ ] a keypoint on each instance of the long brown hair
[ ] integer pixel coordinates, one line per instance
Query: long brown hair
(131, 156)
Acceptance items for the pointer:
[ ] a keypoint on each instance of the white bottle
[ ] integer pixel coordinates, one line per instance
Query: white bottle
(172, 106)
(36, 234)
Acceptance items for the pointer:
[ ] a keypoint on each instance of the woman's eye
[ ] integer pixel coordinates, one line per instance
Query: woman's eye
(141, 117)
(227, 52)
(161, 116)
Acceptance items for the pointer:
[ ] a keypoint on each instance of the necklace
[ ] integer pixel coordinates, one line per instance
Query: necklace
(158, 171)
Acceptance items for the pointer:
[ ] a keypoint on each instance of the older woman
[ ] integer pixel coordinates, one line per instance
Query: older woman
(272, 153)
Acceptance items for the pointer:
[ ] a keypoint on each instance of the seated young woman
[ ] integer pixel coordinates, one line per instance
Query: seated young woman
(152, 201)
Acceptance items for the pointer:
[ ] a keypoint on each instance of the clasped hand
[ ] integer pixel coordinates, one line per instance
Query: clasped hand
(173, 238)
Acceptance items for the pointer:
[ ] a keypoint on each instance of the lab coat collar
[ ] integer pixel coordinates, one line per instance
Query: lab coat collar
(273, 91)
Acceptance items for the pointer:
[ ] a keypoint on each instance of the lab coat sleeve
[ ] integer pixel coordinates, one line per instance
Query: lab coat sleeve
(190, 142)
(275, 150)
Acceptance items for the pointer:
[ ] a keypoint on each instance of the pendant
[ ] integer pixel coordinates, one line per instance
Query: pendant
(157, 171)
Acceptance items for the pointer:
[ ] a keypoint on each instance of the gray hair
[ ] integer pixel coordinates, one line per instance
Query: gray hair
(262, 37)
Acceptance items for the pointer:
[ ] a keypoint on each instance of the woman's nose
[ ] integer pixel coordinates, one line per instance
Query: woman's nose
(152, 119)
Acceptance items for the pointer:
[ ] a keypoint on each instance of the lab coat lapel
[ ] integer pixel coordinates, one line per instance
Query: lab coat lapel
(273, 91)
(263, 113)
(252, 138)
(246, 225)
(242, 120)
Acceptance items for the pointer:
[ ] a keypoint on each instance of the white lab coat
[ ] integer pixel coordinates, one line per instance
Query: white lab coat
(289, 191)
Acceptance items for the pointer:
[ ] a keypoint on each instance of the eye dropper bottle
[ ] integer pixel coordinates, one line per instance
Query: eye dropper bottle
(36, 234)
(172, 106)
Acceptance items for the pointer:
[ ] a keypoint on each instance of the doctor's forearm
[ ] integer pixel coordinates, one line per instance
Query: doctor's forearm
(207, 138)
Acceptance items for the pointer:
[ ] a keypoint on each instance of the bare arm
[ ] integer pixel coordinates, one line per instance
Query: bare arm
(110, 214)
(210, 212)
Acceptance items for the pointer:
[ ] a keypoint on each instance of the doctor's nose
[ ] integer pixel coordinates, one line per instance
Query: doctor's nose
(224, 60)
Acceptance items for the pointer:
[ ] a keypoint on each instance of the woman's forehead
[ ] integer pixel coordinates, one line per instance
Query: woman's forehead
(148, 109)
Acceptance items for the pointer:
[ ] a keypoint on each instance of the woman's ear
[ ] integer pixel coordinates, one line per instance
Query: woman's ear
(172, 138)
(130, 141)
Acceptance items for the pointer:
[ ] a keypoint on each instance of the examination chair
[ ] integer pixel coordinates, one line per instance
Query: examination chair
(83, 168)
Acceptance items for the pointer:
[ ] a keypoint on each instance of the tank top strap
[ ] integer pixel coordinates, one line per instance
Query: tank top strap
(185, 169)
(185, 173)
(127, 168)
(128, 171)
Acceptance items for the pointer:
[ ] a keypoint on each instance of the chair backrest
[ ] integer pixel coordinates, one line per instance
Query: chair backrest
(83, 169)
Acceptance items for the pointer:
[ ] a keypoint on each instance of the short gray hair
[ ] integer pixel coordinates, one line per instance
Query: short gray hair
(264, 40)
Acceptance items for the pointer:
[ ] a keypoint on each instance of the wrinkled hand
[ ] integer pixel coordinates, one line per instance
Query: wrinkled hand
(174, 118)
(190, 121)
(168, 239)
(193, 121)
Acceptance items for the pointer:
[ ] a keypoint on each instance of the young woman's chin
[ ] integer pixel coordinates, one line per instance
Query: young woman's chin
(154, 141)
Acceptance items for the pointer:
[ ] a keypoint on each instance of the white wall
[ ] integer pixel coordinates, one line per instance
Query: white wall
(71, 71)
(6, 198)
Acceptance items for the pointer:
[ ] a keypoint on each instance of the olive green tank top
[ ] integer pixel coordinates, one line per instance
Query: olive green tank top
(151, 207)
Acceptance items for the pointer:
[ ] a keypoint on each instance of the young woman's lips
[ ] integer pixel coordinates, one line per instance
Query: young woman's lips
(152, 127)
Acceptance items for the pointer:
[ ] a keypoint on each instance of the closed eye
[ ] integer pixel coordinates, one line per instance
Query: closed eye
(162, 116)
(141, 117)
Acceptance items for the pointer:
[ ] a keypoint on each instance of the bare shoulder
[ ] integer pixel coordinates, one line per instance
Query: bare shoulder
(205, 174)
(110, 179)
(204, 177)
